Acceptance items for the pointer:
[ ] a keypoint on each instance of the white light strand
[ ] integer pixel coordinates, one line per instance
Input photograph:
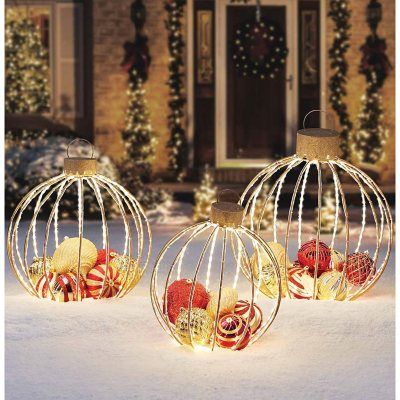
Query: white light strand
(34, 239)
(210, 257)
(301, 200)
(278, 193)
(96, 189)
(336, 185)
(56, 214)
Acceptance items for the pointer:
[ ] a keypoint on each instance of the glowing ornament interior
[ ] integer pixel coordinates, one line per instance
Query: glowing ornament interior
(203, 289)
(344, 265)
(48, 264)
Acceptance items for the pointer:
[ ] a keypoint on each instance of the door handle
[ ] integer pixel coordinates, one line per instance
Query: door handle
(290, 81)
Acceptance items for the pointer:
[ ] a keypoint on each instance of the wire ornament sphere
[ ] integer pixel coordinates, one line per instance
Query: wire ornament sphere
(29, 238)
(217, 254)
(352, 270)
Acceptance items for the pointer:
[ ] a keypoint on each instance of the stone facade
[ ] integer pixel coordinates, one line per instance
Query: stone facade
(112, 26)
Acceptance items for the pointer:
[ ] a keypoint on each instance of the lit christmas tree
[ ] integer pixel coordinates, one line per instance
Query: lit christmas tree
(139, 138)
(263, 212)
(26, 69)
(328, 213)
(204, 196)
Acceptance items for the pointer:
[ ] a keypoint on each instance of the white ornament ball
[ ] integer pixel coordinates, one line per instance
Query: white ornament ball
(66, 256)
(229, 298)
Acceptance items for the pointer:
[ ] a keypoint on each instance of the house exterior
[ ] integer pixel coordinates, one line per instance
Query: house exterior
(233, 127)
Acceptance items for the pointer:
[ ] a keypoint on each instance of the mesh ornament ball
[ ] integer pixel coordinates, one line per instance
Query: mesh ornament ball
(358, 267)
(128, 268)
(179, 294)
(308, 253)
(293, 188)
(233, 332)
(45, 250)
(332, 286)
(207, 268)
(201, 326)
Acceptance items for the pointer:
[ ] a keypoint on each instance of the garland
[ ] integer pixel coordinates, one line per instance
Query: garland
(371, 134)
(259, 49)
(177, 144)
(340, 14)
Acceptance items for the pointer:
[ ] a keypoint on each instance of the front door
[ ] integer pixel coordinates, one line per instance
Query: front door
(255, 118)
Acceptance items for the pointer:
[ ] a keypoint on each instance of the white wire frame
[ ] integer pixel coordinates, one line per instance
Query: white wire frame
(137, 243)
(209, 233)
(372, 200)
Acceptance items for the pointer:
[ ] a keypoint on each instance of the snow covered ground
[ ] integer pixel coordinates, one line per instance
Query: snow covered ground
(115, 349)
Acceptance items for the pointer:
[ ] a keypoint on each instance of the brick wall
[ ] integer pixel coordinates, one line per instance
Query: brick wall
(356, 82)
(111, 28)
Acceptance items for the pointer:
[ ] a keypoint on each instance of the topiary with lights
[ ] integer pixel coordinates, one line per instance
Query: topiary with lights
(340, 14)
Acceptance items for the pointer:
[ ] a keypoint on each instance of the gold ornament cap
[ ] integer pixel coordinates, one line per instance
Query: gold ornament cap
(318, 144)
(80, 166)
(226, 211)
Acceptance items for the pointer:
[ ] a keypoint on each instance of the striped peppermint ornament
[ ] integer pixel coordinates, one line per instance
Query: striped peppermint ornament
(42, 285)
(301, 283)
(65, 287)
(95, 279)
(243, 308)
(230, 329)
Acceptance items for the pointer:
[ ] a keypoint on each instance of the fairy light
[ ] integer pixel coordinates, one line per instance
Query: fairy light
(210, 258)
(301, 200)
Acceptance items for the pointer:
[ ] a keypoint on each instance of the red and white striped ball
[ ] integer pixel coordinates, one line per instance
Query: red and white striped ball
(65, 287)
(230, 329)
(95, 279)
(301, 283)
(42, 285)
(243, 309)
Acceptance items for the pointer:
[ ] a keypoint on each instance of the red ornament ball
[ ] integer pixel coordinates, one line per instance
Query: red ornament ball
(102, 255)
(232, 332)
(43, 283)
(243, 309)
(359, 266)
(307, 256)
(178, 296)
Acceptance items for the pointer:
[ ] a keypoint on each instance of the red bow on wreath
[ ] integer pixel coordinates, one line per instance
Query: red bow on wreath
(375, 60)
(137, 56)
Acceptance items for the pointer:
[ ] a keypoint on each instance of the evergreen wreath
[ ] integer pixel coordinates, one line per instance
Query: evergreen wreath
(340, 15)
(259, 49)
(178, 143)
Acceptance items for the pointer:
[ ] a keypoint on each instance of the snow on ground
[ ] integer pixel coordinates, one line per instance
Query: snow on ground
(115, 349)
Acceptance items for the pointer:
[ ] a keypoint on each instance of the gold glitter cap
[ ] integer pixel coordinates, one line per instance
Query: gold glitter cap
(226, 211)
(318, 144)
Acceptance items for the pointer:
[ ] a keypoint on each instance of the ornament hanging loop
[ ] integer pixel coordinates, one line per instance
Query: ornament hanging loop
(228, 196)
(80, 140)
(80, 166)
(327, 113)
(226, 212)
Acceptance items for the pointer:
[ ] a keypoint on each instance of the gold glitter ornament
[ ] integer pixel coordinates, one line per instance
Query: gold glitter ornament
(36, 269)
(201, 326)
(126, 265)
(268, 278)
(229, 298)
(66, 256)
(337, 260)
(331, 286)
